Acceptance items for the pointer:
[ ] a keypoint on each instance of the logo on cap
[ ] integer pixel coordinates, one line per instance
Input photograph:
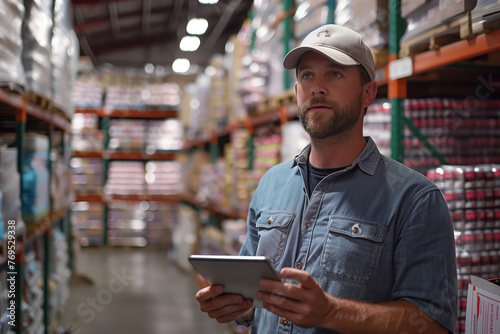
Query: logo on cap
(324, 33)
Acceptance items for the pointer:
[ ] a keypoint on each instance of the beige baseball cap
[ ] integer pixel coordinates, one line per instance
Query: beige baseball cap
(342, 45)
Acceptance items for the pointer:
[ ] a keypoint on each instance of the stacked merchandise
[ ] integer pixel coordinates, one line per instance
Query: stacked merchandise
(36, 176)
(87, 93)
(237, 162)
(61, 186)
(293, 140)
(309, 15)
(125, 178)
(235, 51)
(218, 106)
(36, 36)
(161, 220)
(462, 131)
(124, 98)
(86, 219)
(194, 108)
(377, 125)
(11, 44)
(10, 193)
(87, 175)
(433, 18)
(127, 134)
(211, 190)
(370, 20)
(126, 224)
(253, 75)
(59, 274)
(235, 231)
(163, 178)
(485, 16)
(32, 301)
(137, 178)
(162, 96)
(473, 196)
(270, 31)
(141, 223)
(87, 137)
(266, 153)
(64, 56)
(164, 135)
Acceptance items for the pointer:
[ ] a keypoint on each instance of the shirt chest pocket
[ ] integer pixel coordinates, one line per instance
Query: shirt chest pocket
(352, 248)
(273, 227)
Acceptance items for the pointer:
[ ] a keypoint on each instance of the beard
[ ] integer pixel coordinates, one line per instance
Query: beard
(340, 122)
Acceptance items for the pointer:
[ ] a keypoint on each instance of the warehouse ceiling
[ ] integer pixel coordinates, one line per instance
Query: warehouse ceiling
(132, 33)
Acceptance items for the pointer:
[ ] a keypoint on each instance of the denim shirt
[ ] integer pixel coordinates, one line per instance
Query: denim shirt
(376, 231)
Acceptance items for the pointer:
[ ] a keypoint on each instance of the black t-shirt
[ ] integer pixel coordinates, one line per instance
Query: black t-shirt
(314, 175)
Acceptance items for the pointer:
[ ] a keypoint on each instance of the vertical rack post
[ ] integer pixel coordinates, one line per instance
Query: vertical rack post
(396, 88)
(332, 4)
(105, 127)
(287, 38)
(46, 275)
(21, 117)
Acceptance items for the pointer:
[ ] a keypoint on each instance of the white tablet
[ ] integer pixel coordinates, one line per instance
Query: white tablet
(238, 274)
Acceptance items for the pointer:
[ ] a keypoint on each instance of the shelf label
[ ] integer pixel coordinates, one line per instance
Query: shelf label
(401, 68)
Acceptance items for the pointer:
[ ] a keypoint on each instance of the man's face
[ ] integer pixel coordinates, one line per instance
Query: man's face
(329, 96)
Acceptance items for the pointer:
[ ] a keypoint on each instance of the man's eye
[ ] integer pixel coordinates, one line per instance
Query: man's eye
(306, 76)
(336, 74)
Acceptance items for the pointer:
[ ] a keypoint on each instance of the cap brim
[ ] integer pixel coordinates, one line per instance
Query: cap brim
(292, 59)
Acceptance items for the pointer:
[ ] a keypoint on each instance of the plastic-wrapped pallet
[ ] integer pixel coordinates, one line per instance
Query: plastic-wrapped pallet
(11, 18)
(36, 36)
(64, 56)
(485, 16)
(370, 19)
(309, 15)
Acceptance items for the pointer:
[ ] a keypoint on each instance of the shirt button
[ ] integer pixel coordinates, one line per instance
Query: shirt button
(298, 265)
(356, 229)
(269, 221)
(308, 224)
(283, 321)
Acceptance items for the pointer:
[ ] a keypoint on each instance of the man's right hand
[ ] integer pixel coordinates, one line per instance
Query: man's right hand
(224, 307)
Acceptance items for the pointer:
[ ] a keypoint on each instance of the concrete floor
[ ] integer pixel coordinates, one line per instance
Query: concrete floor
(134, 291)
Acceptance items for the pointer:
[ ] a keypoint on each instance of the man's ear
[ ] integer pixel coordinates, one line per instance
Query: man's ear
(369, 93)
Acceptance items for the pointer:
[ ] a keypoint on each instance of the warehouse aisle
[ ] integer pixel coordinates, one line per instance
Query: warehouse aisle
(134, 291)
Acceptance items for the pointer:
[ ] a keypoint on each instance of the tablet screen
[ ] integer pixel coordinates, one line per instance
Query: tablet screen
(238, 274)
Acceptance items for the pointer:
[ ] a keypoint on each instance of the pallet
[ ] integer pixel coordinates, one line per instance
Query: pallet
(12, 88)
(434, 38)
(275, 102)
(38, 100)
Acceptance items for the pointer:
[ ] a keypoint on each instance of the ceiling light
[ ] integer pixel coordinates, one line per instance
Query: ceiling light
(197, 26)
(208, 2)
(181, 65)
(189, 43)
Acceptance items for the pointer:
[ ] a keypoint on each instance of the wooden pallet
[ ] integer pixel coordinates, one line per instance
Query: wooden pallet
(37, 99)
(12, 88)
(443, 34)
(275, 102)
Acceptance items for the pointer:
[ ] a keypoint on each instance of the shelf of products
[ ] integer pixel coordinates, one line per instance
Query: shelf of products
(123, 161)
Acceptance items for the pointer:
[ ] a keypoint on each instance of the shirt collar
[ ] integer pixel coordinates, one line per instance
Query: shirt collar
(367, 160)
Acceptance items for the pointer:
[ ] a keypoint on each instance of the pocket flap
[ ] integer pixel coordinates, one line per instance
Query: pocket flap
(357, 228)
(272, 219)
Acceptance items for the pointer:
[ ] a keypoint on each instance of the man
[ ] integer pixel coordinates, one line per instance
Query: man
(363, 243)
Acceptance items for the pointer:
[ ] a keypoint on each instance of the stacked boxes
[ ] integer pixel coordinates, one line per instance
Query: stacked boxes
(87, 93)
(36, 35)
(11, 67)
(163, 178)
(473, 196)
(86, 218)
(370, 20)
(86, 135)
(237, 163)
(87, 175)
(266, 153)
(462, 131)
(35, 188)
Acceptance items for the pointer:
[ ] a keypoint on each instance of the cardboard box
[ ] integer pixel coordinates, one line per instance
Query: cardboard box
(483, 307)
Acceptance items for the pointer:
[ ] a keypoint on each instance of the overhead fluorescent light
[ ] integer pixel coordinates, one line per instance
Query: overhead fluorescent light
(208, 2)
(197, 26)
(181, 65)
(189, 43)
